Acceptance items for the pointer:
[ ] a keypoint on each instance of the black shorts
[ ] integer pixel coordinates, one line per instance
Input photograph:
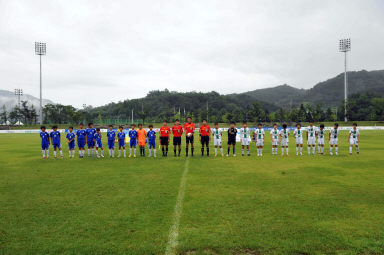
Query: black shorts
(177, 140)
(205, 140)
(164, 140)
(189, 139)
(231, 141)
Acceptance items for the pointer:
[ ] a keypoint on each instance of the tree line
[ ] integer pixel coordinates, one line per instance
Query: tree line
(158, 106)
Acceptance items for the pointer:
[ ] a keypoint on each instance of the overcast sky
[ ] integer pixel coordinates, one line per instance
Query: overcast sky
(103, 51)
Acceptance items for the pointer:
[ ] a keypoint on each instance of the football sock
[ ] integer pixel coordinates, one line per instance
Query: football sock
(228, 150)
(242, 151)
(202, 151)
(89, 152)
(47, 153)
(166, 151)
(73, 153)
(233, 149)
(357, 148)
(297, 150)
(350, 149)
(130, 151)
(330, 149)
(54, 153)
(207, 151)
(162, 149)
(273, 151)
(248, 151)
(322, 149)
(221, 150)
(215, 150)
(192, 149)
(97, 152)
(93, 152)
(313, 149)
(301, 150)
(110, 152)
(319, 149)
(119, 152)
(261, 152)
(134, 151)
(43, 151)
(179, 151)
(154, 152)
(113, 152)
(149, 152)
(186, 151)
(102, 152)
(174, 151)
(309, 150)
(287, 150)
(337, 149)
(69, 153)
(282, 150)
(125, 153)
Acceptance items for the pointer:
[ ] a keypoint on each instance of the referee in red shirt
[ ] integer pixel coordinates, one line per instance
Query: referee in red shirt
(205, 137)
(164, 137)
(177, 131)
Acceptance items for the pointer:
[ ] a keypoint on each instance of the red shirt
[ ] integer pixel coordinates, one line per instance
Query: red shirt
(165, 131)
(177, 130)
(189, 128)
(205, 130)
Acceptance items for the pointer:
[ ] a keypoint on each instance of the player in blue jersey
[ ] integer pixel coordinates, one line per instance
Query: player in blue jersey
(133, 140)
(44, 142)
(90, 141)
(121, 138)
(151, 135)
(81, 137)
(98, 143)
(111, 141)
(55, 140)
(71, 142)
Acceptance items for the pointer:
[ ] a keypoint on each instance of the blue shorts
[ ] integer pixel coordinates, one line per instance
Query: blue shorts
(71, 145)
(151, 144)
(81, 143)
(111, 144)
(132, 143)
(99, 144)
(44, 146)
(122, 143)
(90, 144)
(57, 145)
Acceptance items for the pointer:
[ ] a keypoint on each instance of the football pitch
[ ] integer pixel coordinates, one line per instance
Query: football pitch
(235, 205)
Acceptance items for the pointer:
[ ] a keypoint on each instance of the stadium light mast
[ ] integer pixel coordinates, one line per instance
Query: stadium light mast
(41, 49)
(18, 93)
(345, 46)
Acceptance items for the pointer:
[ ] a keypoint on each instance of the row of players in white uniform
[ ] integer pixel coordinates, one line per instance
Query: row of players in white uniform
(313, 134)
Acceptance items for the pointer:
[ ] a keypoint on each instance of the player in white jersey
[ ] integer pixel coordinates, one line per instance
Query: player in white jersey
(217, 134)
(311, 138)
(320, 139)
(275, 139)
(245, 138)
(299, 139)
(353, 138)
(284, 134)
(259, 132)
(334, 139)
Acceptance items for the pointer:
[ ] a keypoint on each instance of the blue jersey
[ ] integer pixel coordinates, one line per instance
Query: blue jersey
(121, 135)
(90, 133)
(70, 136)
(44, 137)
(81, 134)
(111, 135)
(132, 134)
(55, 135)
(151, 135)
(97, 137)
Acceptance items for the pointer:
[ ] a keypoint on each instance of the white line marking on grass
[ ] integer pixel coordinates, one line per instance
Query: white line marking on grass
(174, 230)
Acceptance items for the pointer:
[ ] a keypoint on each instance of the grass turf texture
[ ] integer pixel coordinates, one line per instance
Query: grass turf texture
(243, 205)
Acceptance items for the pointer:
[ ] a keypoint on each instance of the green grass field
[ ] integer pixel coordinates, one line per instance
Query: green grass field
(243, 205)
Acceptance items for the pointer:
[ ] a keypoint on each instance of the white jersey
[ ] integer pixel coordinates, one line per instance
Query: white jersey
(320, 134)
(284, 133)
(245, 136)
(259, 137)
(311, 131)
(354, 134)
(298, 133)
(275, 136)
(217, 135)
(334, 133)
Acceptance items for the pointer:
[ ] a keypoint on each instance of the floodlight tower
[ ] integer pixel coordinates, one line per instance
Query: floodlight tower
(41, 49)
(18, 93)
(345, 46)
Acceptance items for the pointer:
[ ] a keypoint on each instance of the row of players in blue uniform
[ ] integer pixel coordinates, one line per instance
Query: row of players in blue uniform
(92, 138)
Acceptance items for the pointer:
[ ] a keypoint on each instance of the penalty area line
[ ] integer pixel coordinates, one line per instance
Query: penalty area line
(174, 230)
